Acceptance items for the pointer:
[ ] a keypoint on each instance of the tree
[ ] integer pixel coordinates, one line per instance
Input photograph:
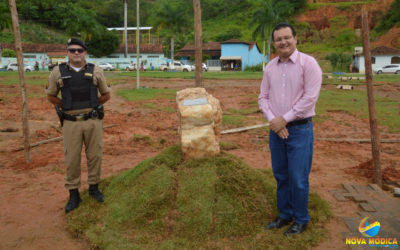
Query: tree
(339, 61)
(5, 19)
(266, 17)
(171, 16)
(8, 53)
(103, 43)
(298, 4)
(391, 17)
(231, 33)
(83, 23)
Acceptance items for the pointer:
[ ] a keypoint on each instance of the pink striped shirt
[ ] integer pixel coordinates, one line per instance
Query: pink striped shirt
(290, 89)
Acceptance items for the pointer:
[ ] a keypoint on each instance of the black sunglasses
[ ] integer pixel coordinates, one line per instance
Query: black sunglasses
(80, 51)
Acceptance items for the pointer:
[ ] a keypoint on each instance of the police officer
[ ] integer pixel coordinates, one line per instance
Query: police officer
(81, 117)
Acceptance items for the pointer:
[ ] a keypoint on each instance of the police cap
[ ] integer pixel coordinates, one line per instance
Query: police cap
(76, 41)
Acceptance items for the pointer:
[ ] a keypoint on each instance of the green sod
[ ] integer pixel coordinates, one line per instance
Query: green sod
(210, 203)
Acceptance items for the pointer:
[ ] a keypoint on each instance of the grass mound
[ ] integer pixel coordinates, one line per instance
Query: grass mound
(212, 203)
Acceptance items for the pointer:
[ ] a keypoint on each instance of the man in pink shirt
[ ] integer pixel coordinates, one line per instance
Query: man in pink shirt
(288, 94)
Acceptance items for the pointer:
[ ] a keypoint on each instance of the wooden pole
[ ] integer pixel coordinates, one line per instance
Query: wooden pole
(20, 61)
(137, 45)
(60, 138)
(241, 129)
(198, 43)
(371, 101)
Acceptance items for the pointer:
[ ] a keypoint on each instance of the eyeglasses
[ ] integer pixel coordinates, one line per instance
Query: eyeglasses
(283, 39)
(80, 51)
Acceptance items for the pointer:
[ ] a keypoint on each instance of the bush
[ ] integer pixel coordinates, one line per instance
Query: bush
(8, 53)
(339, 61)
(6, 37)
(255, 68)
(346, 38)
(336, 24)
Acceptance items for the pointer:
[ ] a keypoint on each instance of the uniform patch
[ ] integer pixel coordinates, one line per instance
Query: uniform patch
(89, 74)
(60, 83)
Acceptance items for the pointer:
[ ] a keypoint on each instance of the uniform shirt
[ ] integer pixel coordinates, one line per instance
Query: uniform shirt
(55, 84)
(290, 89)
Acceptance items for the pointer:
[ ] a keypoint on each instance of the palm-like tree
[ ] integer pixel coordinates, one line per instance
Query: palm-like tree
(266, 17)
(171, 17)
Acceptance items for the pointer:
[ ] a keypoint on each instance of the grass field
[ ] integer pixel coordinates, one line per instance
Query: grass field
(353, 101)
(191, 75)
(117, 77)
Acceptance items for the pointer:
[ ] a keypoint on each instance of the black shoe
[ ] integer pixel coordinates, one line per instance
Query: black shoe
(95, 193)
(278, 223)
(74, 200)
(296, 228)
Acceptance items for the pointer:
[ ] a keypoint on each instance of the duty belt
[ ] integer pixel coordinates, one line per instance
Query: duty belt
(82, 117)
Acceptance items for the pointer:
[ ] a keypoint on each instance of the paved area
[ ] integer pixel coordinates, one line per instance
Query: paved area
(375, 204)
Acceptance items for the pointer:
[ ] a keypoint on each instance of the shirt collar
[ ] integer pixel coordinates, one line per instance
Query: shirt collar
(293, 57)
(83, 67)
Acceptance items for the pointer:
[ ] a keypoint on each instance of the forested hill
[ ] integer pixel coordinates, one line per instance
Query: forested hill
(221, 18)
(52, 21)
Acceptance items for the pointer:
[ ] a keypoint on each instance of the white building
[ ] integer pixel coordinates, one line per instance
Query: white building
(380, 56)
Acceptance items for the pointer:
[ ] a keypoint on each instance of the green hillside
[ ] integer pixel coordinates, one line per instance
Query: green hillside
(52, 21)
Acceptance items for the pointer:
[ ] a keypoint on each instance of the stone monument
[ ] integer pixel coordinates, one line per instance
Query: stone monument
(200, 122)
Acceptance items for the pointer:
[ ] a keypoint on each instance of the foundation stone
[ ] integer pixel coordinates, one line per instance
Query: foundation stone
(200, 122)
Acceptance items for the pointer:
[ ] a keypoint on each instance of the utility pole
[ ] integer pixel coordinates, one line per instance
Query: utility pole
(126, 28)
(371, 101)
(198, 42)
(137, 45)
(1, 65)
(172, 52)
(20, 61)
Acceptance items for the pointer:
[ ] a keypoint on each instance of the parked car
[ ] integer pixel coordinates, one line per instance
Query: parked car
(393, 68)
(106, 66)
(203, 66)
(164, 67)
(14, 67)
(130, 67)
(179, 66)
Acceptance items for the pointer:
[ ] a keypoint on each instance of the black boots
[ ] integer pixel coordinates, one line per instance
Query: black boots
(95, 193)
(74, 200)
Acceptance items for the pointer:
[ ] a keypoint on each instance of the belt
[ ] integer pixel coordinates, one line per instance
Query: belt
(299, 122)
(81, 117)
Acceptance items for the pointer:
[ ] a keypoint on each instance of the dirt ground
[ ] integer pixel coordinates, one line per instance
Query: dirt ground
(33, 195)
